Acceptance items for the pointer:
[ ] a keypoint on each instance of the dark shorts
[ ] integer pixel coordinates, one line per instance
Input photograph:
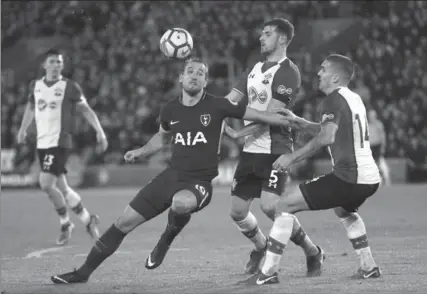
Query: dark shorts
(329, 191)
(53, 160)
(157, 195)
(254, 173)
(376, 152)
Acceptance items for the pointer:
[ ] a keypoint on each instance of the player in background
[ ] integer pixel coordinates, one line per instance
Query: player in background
(355, 176)
(377, 140)
(272, 83)
(54, 102)
(194, 123)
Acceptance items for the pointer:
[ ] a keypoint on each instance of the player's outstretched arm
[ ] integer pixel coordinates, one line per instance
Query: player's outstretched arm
(155, 144)
(302, 124)
(26, 121)
(271, 118)
(247, 130)
(325, 137)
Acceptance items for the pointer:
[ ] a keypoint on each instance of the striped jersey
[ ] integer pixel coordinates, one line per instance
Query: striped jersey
(267, 81)
(351, 152)
(55, 110)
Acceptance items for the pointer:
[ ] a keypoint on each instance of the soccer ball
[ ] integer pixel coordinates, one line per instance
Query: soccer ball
(176, 43)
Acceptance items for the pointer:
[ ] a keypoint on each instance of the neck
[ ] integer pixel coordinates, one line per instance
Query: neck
(277, 55)
(189, 100)
(333, 88)
(52, 77)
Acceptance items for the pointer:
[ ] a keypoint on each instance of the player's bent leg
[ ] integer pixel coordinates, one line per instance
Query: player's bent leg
(74, 201)
(268, 203)
(248, 225)
(184, 202)
(105, 246)
(48, 183)
(356, 233)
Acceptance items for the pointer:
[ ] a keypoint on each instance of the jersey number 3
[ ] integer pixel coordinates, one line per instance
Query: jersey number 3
(364, 136)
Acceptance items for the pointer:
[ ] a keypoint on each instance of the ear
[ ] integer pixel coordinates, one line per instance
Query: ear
(205, 83)
(181, 77)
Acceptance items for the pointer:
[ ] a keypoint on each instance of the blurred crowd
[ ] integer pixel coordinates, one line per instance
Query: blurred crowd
(114, 55)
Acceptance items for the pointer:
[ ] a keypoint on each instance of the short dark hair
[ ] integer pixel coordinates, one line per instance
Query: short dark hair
(197, 60)
(51, 52)
(283, 26)
(343, 64)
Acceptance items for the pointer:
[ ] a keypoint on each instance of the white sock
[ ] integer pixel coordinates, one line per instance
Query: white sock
(356, 233)
(279, 237)
(75, 203)
(249, 228)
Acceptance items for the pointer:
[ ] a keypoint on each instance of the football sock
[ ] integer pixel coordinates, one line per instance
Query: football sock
(104, 247)
(74, 201)
(63, 215)
(82, 213)
(279, 236)
(249, 228)
(176, 222)
(356, 233)
(301, 239)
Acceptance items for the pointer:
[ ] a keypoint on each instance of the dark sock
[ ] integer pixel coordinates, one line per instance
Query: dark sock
(62, 211)
(176, 222)
(104, 247)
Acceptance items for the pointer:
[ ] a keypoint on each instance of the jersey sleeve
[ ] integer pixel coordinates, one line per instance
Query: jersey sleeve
(286, 83)
(331, 110)
(165, 118)
(76, 93)
(228, 108)
(31, 98)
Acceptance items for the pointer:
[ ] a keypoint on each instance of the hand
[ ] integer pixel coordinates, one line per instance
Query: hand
(294, 120)
(102, 141)
(283, 163)
(132, 155)
(21, 137)
(230, 131)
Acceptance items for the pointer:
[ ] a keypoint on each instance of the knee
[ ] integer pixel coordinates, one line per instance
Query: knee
(129, 220)
(183, 203)
(238, 214)
(46, 184)
(269, 208)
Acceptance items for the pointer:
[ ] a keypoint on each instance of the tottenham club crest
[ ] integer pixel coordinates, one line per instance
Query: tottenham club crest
(205, 119)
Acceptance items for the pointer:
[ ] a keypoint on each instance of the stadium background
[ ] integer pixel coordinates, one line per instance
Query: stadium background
(112, 50)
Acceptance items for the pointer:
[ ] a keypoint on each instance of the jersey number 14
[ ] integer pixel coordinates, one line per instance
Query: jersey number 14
(364, 136)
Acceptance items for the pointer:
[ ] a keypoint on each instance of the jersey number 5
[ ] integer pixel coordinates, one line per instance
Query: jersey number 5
(364, 136)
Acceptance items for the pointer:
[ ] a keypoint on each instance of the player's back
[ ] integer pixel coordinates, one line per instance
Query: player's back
(54, 104)
(267, 81)
(351, 152)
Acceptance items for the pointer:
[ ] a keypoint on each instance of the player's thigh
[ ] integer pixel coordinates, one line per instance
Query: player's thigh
(129, 220)
(156, 196)
(62, 183)
(246, 185)
(292, 201)
(53, 160)
(47, 180)
(193, 195)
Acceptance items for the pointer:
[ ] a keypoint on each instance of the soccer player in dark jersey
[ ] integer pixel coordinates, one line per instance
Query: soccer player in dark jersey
(55, 102)
(194, 122)
(269, 84)
(355, 176)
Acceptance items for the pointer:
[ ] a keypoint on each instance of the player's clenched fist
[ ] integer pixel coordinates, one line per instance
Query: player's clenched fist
(132, 155)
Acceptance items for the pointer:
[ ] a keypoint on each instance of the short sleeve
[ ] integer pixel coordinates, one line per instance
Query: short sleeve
(30, 97)
(228, 108)
(331, 110)
(286, 83)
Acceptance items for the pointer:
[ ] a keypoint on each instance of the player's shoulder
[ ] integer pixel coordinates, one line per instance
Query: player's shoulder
(289, 66)
(71, 82)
